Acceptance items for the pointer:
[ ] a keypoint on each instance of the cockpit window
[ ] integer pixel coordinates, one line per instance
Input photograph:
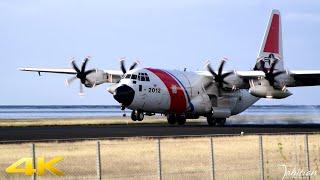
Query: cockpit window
(143, 77)
(128, 76)
(147, 77)
(134, 76)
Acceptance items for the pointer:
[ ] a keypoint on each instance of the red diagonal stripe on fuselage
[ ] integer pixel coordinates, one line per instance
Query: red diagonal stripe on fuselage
(178, 101)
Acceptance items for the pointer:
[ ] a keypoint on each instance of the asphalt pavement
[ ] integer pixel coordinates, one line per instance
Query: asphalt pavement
(35, 133)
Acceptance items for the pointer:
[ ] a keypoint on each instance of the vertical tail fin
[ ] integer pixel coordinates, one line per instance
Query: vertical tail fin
(271, 46)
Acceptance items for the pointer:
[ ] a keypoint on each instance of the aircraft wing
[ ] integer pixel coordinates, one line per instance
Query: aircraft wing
(239, 78)
(243, 74)
(250, 74)
(297, 77)
(50, 70)
(112, 76)
(304, 78)
(293, 78)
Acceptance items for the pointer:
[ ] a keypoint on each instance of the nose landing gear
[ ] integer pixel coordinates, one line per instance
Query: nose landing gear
(137, 115)
(123, 108)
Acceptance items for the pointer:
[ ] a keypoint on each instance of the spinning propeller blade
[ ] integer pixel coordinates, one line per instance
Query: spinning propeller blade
(270, 75)
(123, 67)
(81, 74)
(220, 77)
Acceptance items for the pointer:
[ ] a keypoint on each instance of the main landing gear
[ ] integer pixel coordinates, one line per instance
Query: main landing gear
(173, 119)
(137, 115)
(212, 121)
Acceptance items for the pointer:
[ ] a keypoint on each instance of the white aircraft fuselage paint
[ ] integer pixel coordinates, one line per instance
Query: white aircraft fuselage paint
(173, 91)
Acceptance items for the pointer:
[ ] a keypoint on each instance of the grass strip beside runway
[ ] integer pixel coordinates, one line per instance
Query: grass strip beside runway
(182, 158)
(77, 121)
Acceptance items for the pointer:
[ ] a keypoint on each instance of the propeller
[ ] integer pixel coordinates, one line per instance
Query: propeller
(81, 74)
(123, 67)
(124, 71)
(270, 75)
(219, 77)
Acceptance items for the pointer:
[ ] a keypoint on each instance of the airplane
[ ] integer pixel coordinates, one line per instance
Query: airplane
(182, 95)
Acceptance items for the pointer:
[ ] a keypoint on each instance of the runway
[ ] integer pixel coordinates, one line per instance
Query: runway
(43, 133)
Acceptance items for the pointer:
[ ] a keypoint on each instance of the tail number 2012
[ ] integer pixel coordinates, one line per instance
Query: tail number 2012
(154, 90)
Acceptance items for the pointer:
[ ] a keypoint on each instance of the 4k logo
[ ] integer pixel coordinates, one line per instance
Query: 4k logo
(41, 166)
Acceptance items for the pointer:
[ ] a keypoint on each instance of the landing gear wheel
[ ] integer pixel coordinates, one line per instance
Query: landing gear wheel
(181, 120)
(139, 115)
(211, 121)
(133, 116)
(221, 121)
(171, 119)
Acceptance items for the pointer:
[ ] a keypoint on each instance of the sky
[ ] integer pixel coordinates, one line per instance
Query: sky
(160, 33)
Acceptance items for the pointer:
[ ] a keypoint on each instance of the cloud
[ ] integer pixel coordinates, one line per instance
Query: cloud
(303, 17)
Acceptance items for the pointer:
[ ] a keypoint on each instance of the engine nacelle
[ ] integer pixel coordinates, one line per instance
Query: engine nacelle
(95, 78)
(269, 92)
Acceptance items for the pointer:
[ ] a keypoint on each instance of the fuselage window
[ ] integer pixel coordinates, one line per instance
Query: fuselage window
(146, 76)
(128, 76)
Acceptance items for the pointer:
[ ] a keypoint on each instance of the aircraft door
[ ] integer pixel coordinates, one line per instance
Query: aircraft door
(142, 88)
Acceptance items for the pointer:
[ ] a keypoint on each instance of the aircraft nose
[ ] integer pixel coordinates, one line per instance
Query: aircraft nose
(124, 94)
